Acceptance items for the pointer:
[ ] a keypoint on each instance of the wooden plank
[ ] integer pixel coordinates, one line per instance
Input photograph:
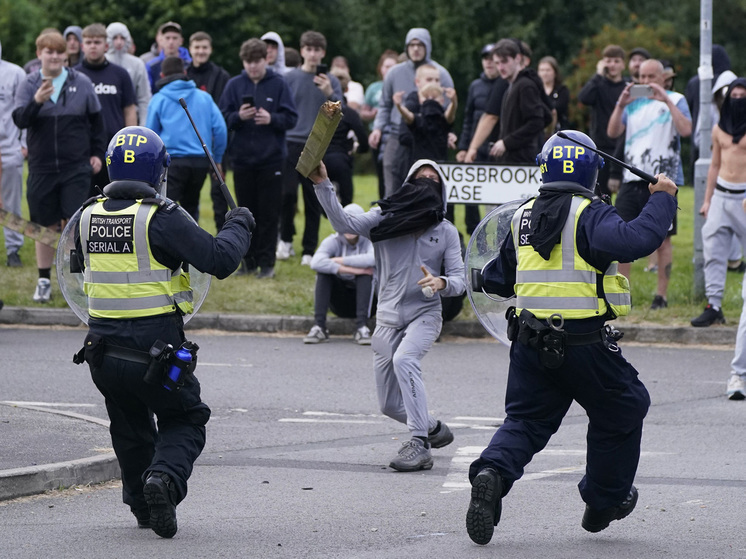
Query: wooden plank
(327, 120)
(39, 233)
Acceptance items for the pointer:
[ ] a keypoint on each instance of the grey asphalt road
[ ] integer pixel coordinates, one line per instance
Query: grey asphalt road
(295, 464)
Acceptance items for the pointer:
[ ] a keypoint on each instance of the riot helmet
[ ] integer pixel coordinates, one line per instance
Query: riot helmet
(561, 159)
(136, 153)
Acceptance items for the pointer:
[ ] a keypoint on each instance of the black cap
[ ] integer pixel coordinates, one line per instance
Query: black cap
(641, 51)
(487, 49)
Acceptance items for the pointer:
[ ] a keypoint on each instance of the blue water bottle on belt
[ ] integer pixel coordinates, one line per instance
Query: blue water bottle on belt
(174, 373)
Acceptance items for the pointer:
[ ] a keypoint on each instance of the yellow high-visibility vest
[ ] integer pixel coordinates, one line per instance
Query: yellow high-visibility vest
(122, 279)
(565, 284)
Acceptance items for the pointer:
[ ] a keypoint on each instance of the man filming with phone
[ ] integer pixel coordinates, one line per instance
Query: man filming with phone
(654, 121)
(259, 109)
(311, 88)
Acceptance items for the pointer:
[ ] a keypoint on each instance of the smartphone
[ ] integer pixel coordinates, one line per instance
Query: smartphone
(639, 90)
(322, 69)
(247, 100)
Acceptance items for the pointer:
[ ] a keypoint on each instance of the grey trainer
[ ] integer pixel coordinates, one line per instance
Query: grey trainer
(442, 437)
(316, 335)
(413, 456)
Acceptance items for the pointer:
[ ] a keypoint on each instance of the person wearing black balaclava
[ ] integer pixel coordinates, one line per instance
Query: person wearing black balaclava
(412, 241)
(725, 217)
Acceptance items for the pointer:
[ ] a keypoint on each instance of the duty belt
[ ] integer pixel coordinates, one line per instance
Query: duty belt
(127, 354)
(729, 190)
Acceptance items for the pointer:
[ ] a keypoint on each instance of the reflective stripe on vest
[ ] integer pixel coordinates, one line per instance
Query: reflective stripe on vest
(122, 278)
(564, 284)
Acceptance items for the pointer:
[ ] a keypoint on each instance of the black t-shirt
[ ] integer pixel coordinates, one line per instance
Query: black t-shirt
(495, 99)
(114, 89)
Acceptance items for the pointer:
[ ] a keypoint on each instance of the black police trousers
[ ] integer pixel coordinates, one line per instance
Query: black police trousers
(172, 448)
(537, 399)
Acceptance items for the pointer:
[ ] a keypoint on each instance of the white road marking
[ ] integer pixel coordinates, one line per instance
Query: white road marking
(228, 365)
(499, 420)
(47, 404)
(309, 420)
(457, 478)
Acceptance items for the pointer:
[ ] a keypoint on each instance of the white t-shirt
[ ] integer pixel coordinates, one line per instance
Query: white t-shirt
(355, 93)
(652, 143)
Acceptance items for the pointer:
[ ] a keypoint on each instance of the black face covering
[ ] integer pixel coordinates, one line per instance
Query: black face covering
(733, 113)
(416, 206)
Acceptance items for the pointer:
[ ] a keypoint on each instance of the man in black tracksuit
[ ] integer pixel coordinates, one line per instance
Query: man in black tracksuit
(523, 114)
(476, 103)
(258, 107)
(66, 144)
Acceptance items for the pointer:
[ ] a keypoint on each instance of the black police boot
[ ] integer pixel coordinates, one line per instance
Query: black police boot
(597, 520)
(485, 506)
(143, 518)
(157, 492)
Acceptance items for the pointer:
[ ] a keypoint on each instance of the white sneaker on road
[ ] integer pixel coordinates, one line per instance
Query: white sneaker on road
(736, 387)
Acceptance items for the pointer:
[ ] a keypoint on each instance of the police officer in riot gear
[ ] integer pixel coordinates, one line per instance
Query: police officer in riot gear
(135, 248)
(560, 260)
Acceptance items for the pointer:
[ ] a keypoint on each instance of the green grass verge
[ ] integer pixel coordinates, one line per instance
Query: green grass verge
(291, 292)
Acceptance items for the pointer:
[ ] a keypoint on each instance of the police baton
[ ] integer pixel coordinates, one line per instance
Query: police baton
(642, 174)
(223, 187)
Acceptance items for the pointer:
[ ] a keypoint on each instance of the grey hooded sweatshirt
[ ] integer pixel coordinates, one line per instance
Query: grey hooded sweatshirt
(401, 78)
(135, 67)
(398, 260)
(279, 65)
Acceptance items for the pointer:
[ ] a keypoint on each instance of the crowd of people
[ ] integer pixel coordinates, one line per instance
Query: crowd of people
(100, 127)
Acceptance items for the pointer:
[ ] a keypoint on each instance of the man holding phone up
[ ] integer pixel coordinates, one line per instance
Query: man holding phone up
(311, 87)
(259, 108)
(654, 125)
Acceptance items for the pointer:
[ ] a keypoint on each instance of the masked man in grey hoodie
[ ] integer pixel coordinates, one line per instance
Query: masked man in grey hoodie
(119, 40)
(418, 46)
(411, 240)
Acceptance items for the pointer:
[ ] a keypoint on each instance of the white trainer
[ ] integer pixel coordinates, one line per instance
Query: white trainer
(43, 291)
(362, 336)
(736, 387)
(283, 250)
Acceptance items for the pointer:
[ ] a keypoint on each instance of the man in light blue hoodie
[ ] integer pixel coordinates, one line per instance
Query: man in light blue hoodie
(418, 46)
(189, 165)
(412, 241)
(11, 146)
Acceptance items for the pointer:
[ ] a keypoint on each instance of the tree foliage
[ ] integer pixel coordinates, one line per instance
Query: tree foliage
(573, 32)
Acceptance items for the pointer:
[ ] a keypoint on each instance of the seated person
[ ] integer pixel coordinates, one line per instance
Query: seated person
(344, 265)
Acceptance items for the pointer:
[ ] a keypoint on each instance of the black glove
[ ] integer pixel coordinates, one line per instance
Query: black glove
(243, 215)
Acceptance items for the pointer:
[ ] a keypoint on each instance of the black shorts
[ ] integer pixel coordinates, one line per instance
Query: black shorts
(53, 197)
(630, 200)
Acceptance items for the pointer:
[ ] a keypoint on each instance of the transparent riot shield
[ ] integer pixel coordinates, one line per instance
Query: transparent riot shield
(484, 246)
(71, 281)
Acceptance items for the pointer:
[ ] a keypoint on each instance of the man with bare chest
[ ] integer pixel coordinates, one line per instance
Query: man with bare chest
(724, 210)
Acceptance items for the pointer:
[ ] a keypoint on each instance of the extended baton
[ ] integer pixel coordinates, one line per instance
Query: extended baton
(642, 174)
(223, 187)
